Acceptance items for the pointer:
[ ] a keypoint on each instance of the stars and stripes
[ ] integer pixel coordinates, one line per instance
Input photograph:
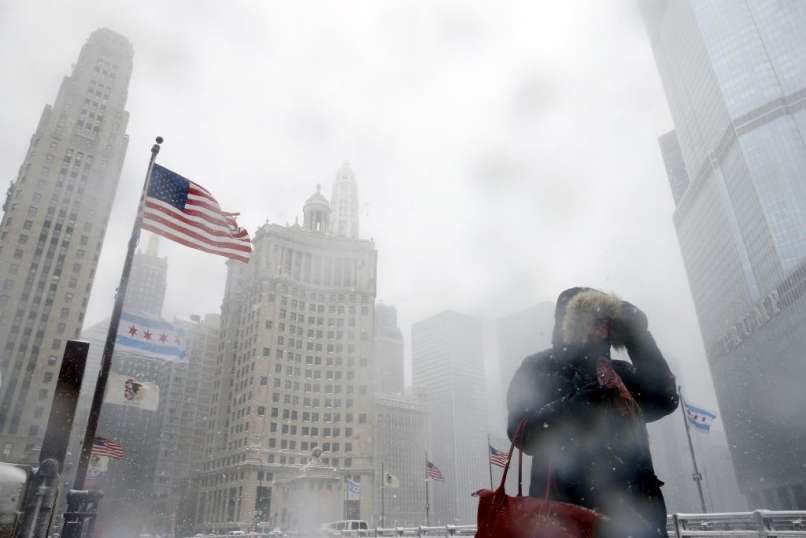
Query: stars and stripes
(498, 457)
(183, 211)
(432, 472)
(700, 418)
(108, 448)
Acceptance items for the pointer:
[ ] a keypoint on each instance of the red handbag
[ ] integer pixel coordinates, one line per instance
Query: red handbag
(502, 516)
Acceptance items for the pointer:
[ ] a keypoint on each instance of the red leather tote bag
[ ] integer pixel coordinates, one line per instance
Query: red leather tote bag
(503, 516)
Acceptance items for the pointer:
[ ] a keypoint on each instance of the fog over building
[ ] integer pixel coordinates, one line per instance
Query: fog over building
(519, 335)
(401, 431)
(53, 226)
(293, 375)
(735, 80)
(148, 491)
(448, 370)
(387, 351)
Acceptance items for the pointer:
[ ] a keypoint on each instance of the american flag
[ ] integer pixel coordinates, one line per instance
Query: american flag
(108, 448)
(498, 457)
(183, 211)
(432, 471)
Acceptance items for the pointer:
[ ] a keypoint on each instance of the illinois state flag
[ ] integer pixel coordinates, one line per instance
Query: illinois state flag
(127, 390)
(151, 336)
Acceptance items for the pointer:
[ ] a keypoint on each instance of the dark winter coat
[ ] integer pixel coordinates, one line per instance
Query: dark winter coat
(598, 459)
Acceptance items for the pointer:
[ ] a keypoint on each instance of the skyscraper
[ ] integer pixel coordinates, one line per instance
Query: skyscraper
(519, 335)
(293, 375)
(54, 221)
(401, 434)
(448, 369)
(735, 80)
(146, 289)
(142, 491)
(387, 351)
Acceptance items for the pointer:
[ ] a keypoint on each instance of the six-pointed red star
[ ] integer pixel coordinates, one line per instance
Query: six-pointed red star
(163, 337)
(132, 330)
(147, 335)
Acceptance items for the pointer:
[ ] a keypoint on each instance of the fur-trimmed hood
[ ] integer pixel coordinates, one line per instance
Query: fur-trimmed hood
(578, 310)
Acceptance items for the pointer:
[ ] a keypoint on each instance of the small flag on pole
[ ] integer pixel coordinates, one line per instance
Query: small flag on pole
(127, 390)
(498, 457)
(353, 490)
(432, 471)
(146, 335)
(108, 448)
(390, 481)
(700, 418)
(98, 465)
(183, 211)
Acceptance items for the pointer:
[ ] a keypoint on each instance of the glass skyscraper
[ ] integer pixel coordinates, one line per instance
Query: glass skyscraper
(734, 72)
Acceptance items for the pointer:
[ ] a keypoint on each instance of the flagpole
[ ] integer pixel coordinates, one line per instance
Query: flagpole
(489, 461)
(111, 334)
(697, 477)
(383, 495)
(427, 480)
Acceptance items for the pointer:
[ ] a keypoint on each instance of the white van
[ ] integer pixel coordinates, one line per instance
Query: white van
(346, 527)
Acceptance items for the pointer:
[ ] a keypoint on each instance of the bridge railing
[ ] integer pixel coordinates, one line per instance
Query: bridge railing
(759, 523)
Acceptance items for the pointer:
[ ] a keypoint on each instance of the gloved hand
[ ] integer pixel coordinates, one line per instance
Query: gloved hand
(631, 323)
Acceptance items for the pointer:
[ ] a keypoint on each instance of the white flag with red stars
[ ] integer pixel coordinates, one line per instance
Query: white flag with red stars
(150, 336)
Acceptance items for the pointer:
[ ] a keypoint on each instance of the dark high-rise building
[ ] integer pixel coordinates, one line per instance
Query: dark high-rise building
(146, 290)
(519, 335)
(448, 371)
(53, 226)
(387, 351)
(735, 80)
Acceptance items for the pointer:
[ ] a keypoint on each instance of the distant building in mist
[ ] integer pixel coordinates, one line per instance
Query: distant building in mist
(387, 351)
(735, 80)
(401, 433)
(146, 289)
(519, 335)
(53, 226)
(149, 490)
(448, 369)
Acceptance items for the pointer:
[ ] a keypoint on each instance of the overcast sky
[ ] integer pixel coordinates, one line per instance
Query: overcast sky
(503, 150)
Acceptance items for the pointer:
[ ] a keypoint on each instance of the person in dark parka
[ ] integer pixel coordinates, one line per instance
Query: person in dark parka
(586, 414)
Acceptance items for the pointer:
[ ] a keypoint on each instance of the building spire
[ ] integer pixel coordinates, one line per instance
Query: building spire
(344, 203)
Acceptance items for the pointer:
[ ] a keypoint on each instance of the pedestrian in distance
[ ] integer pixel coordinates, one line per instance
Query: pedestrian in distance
(586, 414)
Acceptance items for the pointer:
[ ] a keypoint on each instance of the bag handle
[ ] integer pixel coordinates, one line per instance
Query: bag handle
(518, 441)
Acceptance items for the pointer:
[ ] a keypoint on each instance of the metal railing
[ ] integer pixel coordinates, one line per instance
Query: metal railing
(759, 523)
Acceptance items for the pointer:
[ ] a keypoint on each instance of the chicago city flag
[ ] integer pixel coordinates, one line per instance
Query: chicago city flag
(127, 390)
(147, 335)
(700, 418)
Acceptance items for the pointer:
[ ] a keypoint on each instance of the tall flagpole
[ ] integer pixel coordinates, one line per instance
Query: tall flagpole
(111, 335)
(697, 477)
(489, 460)
(383, 495)
(427, 480)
